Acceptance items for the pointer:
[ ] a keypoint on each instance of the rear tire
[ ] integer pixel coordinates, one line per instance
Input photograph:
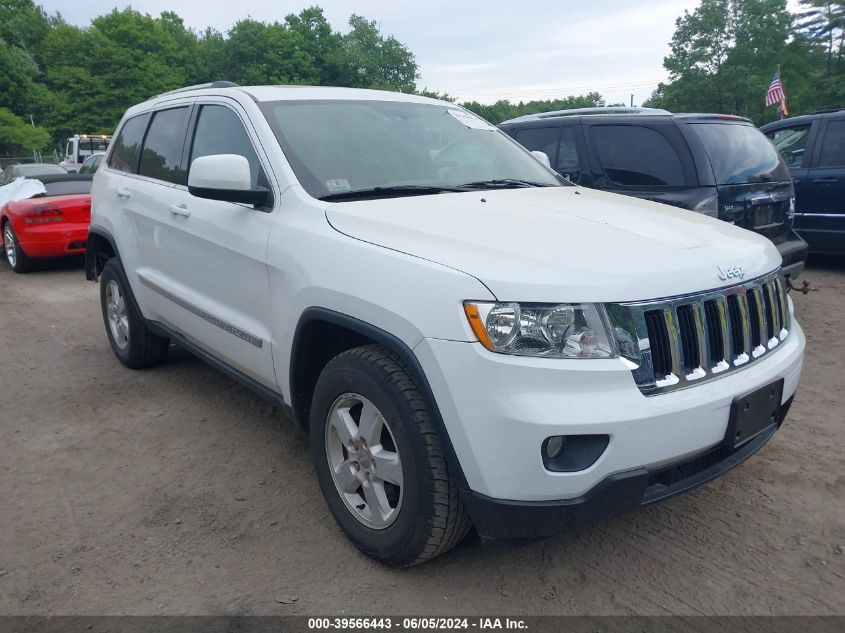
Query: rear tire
(18, 260)
(131, 340)
(389, 489)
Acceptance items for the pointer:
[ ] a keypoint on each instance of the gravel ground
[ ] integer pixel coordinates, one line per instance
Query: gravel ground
(177, 491)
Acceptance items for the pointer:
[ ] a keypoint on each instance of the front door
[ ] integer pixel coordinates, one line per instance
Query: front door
(212, 266)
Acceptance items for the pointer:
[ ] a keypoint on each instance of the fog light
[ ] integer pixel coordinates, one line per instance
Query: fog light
(554, 446)
(571, 453)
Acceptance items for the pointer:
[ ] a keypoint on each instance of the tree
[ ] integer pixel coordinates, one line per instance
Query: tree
(324, 45)
(823, 22)
(724, 54)
(19, 137)
(503, 109)
(23, 24)
(375, 61)
(261, 53)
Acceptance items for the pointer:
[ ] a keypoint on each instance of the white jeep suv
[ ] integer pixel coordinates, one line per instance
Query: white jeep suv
(468, 339)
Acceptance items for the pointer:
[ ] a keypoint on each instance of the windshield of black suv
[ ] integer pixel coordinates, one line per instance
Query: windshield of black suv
(740, 153)
(345, 149)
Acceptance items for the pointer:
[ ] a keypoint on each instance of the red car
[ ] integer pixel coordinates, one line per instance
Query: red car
(52, 224)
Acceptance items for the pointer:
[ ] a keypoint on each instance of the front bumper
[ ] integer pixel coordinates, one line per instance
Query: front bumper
(499, 409)
(793, 250)
(620, 493)
(53, 240)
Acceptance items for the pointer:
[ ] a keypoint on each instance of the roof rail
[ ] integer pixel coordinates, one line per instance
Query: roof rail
(211, 84)
(827, 110)
(588, 112)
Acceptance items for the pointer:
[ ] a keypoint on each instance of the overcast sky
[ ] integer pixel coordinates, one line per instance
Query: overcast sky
(481, 51)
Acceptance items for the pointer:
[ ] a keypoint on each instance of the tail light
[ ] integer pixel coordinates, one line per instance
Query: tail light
(42, 213)
(708, 206)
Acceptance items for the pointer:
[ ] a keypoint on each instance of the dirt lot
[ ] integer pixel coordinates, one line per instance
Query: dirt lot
(176, 491)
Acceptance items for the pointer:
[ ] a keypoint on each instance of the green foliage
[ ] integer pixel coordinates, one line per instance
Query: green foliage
(724, 54)
(19, 137)
(503, 110)
(81, 80)
(375, 61)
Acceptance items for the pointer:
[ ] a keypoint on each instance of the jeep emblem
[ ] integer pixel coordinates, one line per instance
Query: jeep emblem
(730, 272)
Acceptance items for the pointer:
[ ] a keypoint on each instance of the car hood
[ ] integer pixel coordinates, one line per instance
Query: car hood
(561, 243)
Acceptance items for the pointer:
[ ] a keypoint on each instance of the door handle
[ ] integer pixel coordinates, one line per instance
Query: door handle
(123, 192)
(180, 209)
(826, 180)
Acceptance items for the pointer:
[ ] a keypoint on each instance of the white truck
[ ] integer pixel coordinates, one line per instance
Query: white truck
(468, 338)
(81, 146)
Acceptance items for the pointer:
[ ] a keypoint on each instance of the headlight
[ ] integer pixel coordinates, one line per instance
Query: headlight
(560, 330)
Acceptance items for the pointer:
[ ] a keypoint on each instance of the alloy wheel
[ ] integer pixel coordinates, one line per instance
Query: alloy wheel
(117, 314)
(364, 461)
(9, 243)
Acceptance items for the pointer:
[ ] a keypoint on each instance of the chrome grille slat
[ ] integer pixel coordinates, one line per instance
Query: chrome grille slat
(692, 339)
(674, 341)
(727, 343)
(756, 298)
(784, 308)
(700, 320)
(745, 326)
(770, 293)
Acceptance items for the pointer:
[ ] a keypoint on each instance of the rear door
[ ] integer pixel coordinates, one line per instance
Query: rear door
(823, 208)
(754, 185)
(646, 160)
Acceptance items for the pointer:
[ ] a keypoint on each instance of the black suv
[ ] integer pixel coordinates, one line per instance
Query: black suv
(813, 148)
(720, 165)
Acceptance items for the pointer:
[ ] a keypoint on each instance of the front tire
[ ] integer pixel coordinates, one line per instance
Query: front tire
(18, 260)
(131, 341)
(380, 462)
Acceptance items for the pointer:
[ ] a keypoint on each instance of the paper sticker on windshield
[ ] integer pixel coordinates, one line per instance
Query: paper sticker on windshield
(338, 185)
(470, 120)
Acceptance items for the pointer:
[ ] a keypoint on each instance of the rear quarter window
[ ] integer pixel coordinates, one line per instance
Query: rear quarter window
(740, 153)
(127, 145)
(636, 156)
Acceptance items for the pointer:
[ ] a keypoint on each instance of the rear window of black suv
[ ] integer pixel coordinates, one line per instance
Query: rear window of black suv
(739, 153)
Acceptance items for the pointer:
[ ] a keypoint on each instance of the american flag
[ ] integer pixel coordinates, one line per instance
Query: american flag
(775, 93)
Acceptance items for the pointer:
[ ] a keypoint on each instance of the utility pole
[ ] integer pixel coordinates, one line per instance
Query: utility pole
(632, 100)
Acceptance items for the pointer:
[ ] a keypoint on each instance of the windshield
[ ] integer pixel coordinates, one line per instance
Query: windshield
(740, 154)
(337, 148)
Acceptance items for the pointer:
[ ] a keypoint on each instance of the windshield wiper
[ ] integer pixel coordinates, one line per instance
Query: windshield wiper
(388, 192)
(502, 183)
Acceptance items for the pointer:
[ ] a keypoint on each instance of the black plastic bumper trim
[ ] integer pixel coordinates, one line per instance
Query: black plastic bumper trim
(793, 252)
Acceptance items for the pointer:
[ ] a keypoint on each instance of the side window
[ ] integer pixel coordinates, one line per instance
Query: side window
(161, 157)
(791, 143)
(832, 152)
(636, 156)
(220, 131)
(540, 139)
(568, 161)
(127, 145)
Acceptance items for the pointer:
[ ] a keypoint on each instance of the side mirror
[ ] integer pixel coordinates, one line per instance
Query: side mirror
(224, 177)
(542, 157)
